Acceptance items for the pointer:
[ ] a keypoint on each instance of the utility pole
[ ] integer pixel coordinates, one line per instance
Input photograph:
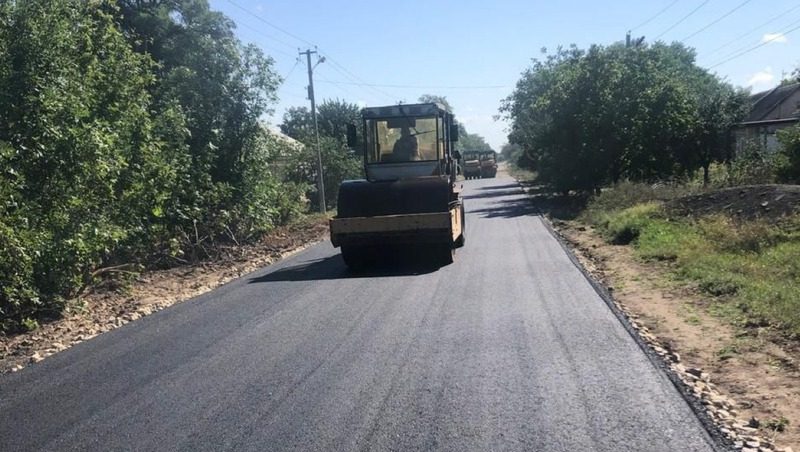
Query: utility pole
(320, 181)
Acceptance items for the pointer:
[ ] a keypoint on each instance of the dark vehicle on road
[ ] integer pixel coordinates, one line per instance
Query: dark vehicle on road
(488, 164)
(472, 165)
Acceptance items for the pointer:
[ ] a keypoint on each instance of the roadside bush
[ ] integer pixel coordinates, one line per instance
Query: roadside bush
(129, 134)
(628, 194)
(755, 165)
(751, 267)
(338, 164)
(18, 298)
(623, 227)
(790, 140)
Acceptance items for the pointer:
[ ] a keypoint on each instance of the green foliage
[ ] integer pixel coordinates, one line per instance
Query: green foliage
(129, 132)
(466, 141)
(629, 194)
(510, 152)
(789, 169)
(752, 267)
(338, 162)
(624, 226)
(755, 165)
(471, 142)
(587, 118)
(434, 98)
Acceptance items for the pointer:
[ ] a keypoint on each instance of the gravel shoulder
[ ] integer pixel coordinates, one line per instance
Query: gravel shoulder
(109, 306)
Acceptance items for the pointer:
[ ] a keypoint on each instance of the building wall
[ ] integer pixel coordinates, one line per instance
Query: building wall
(763, 136)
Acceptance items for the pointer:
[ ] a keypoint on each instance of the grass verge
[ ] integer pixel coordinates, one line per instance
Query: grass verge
(749, 268)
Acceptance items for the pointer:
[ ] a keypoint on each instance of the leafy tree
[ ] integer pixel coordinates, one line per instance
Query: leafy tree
(510, 152)
(338, 162)
(298, 123)
(333, 116)
(592, 117)
(471, 141)
(466, 141)
(433, 98)
(129, 133)
(74, 112)
(221, 86)
(719, 108)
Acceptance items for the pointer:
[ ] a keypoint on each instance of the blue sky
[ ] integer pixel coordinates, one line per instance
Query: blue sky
(474, 51)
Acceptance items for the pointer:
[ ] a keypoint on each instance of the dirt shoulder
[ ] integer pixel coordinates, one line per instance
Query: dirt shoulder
(747, 378)
(106, 308)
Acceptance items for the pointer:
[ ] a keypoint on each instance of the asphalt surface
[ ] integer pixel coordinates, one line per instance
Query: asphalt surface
(509, 348)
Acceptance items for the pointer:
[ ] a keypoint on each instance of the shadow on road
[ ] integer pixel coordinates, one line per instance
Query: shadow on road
(500, 187)
(560, 206)
(518, 206)
(495, 193)
(332, 267)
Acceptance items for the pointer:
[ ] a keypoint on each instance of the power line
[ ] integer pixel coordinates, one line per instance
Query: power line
(744, 35)
(746, 46)
(654, 16)
(270, 24)
(253, 29)
(289, 74)
(359, 81)
(681, 20)
(335, 82)
(713, 22)
(755, 47)
(335, 65)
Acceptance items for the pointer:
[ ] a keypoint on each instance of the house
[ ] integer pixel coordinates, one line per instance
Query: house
(772, 110)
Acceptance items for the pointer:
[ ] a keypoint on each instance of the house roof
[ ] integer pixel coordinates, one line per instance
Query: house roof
(766, 101)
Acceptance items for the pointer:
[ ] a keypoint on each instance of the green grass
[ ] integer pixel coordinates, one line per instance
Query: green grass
(751, 269)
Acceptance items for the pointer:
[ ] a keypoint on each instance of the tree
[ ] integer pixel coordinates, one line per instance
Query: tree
(333, 116)
(471, 141)
(338, 162)
(719, 108)
(433, 98)
(510, 152)
(220, 85)
(592, 117)
(466, 141)
(73, 114)
(129, 133)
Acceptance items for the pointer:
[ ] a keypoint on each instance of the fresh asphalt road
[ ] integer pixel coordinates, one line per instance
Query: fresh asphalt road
(509, 348)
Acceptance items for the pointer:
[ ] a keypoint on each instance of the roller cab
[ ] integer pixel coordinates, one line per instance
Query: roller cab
(410, 196)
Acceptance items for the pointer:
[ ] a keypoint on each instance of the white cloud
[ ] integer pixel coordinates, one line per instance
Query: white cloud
(778, 38)
(760, 78)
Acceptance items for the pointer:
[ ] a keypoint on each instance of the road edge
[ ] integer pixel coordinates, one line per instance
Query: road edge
(716, 439)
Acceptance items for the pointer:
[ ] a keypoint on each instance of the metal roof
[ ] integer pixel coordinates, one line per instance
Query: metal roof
(766, 101)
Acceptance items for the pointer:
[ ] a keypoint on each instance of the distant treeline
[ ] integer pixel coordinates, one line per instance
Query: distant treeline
(130, 134)
(583, 119)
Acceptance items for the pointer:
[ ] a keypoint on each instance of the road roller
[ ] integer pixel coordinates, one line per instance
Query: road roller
(411, 196)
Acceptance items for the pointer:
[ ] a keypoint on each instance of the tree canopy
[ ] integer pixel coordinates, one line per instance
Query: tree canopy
(338, 163)
(129, 134)
(585, 118)
(466, 141)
